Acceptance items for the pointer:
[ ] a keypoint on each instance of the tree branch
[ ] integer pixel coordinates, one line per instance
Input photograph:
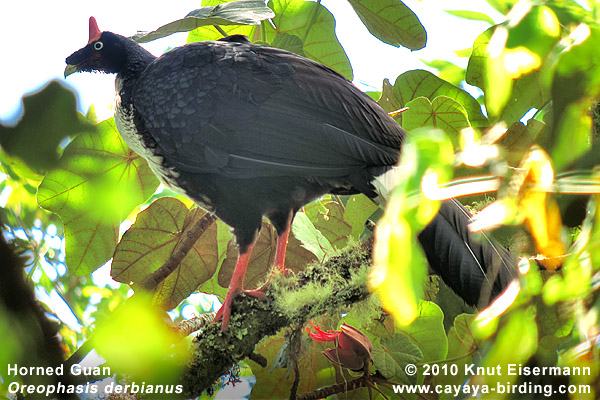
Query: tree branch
(319, 289)
(190, 326)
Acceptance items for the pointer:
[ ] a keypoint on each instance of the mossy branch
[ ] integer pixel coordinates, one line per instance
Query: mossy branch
(291, 301)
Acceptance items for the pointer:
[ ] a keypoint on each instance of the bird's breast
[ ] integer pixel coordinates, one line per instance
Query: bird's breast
(125, 122)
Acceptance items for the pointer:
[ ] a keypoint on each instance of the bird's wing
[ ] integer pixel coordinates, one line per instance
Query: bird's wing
(243, 110)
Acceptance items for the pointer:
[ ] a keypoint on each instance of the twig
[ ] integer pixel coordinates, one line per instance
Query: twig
(179, 253)
(295, 341)
(335, 389)
(220, 30)
(79, 354)
(189, 326)
(259, 359)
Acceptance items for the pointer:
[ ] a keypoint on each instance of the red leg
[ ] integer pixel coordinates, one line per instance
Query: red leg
(278, 262)
(236, 285)
(282, 242)
(237, 280)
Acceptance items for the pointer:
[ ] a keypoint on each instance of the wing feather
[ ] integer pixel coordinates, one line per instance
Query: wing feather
(243, 110)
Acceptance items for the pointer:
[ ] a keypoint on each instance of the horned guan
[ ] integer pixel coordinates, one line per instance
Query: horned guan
(247, 131)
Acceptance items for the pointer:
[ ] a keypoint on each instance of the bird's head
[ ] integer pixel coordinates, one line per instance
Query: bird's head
(104, 52)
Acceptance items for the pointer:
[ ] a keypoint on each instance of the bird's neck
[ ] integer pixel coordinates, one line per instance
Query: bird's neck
(137, 61)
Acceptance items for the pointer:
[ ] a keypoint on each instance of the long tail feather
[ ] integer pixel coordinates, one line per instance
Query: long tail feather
(476, 268)
(473, 265)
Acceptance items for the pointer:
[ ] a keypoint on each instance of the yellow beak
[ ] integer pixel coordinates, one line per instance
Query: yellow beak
(70, 69)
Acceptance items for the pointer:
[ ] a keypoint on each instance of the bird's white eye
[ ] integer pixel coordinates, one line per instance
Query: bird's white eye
(98, 45)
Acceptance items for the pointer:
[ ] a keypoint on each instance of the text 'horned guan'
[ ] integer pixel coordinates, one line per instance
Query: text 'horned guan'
(248, 131)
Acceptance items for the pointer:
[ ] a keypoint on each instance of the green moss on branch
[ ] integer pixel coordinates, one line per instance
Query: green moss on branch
(291, 300)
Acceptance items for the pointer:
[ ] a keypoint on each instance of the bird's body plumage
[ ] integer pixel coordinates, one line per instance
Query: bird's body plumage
(236, 156)
(249, 131)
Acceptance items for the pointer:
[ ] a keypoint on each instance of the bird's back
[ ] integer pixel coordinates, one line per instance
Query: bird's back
(247, 111)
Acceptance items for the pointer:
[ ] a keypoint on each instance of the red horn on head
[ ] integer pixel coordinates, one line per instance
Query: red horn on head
(94, 31)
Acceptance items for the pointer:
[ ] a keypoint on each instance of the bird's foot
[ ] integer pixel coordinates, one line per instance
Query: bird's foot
(224, 312)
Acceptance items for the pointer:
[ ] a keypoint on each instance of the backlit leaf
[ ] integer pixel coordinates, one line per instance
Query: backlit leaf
(247, 12)
(540, 211)
(392, 355)
(392, 22)
(328, 216)
(443, 113)
(137, 342)
(471, 15)
(448, 71)
(49, 116)
(358, 210)
(312, 239)
(151, 240)
(399, 266)
(97, 184)
(475, 69)
(427, 332)
(575, 86)
(290, 43)
(520, 335)
(419, 83)
(316, 29)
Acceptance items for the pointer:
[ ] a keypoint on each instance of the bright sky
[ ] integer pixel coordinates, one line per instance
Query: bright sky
(37, 36)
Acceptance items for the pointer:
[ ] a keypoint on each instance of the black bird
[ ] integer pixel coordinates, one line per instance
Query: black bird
(248, 131)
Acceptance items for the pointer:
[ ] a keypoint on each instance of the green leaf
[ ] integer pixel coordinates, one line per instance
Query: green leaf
(315, 25)
(358, 210)
(528, 92)
(520, 335)
(211, 33)
(420, 83)
(475, 69)
(575, 86)
(392, 22)
(517, 141)
(49, 116)
(460, 337)
(274, 382)
(374, 95)
(312, 23)
(393, 355)
(151, 240)
(388, 100)
(97, 184)
(312, 239)
(247, 12)
(448, 71)
(327, 215)
(290, 43)
(399, 265)
(225, 247)
(461, 345)
(136, 341)
(519, 48)
(443, 113)
(471, 15)
(538, 30)
(503, 6)
(427, 332)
